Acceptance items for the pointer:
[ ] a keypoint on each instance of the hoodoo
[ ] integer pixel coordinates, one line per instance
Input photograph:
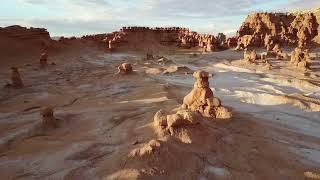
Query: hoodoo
(16, 81)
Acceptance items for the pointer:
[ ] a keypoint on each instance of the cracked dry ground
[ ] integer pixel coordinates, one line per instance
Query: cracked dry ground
(103, 117)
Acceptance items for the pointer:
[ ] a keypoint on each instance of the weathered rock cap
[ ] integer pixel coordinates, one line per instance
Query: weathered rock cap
(201, 74)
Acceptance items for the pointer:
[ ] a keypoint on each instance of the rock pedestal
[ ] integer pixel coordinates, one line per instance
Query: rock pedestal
(201, 98)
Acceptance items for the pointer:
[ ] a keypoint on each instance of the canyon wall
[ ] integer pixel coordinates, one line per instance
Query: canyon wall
(293, 29)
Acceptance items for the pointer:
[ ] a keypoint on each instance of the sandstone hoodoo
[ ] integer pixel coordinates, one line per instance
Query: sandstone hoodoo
(251, 56)
(201, 99)
(124, 68)
(16, 81)
(261, 29)
(276, 52)
(300, 58)
(197, 105)
(43, 60)
(48, 119)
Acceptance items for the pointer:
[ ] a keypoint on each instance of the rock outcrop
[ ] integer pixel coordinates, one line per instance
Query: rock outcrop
(16, 81)
(124, 68)
(24, 40)
(43, 60)
(48, 119)
(263, 29)
(180, 118)
(24, 33)
(300, 58)
(197, 105)
(171, 36)
(231, 42)
(274, 51)
(201, 99)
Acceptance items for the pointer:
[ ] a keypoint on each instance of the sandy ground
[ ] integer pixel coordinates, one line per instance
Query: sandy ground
(274, 133)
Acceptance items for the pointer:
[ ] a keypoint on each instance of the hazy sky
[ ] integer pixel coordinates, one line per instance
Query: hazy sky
(78, 17)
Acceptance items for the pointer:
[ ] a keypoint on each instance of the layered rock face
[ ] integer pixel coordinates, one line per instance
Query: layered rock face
(173, 36)
(24, 33)
(24, 40)
(262, 29)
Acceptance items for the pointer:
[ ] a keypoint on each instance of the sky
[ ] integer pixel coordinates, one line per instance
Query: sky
(81, 17)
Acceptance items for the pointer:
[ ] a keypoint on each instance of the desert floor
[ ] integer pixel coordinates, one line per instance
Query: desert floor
(274, 133)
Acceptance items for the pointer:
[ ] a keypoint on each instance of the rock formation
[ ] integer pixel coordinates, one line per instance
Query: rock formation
(221, 38)
(149, 56)
(251, 56)
(264, 29)
(124, 68)
(48, 119)
(24, 33)
(299, 58)
(177, 69)
(171, 36)
(197, 105)
(201, 99)
(231, 42)
(16, 81)
(182, 117)
(43, 60)
(276, 52)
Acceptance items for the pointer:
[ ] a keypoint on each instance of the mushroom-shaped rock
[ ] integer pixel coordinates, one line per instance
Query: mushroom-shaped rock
(201, 97)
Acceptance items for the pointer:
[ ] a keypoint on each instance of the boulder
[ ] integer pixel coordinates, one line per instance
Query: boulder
(125, 68)
(48, 119)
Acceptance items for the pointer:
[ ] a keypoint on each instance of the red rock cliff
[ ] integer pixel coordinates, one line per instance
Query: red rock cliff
(137, 37)
(282, 28)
